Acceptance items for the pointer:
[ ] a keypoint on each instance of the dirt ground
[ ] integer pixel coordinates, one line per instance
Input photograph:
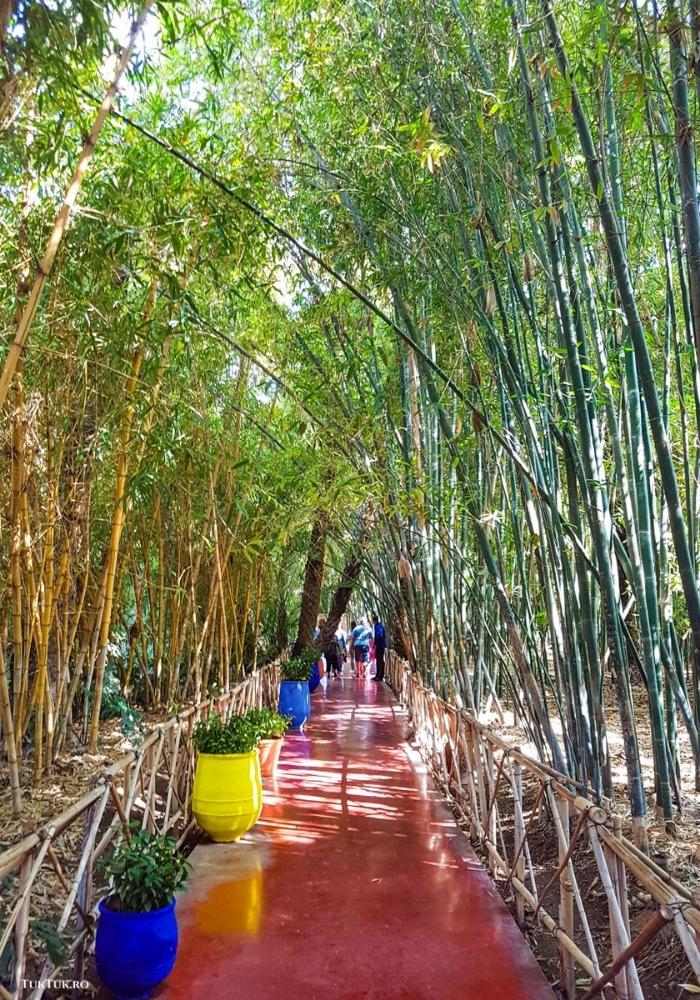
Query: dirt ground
(72, 774)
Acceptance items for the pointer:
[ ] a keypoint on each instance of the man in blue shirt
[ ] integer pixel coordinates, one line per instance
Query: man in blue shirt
(379, 647)
(361, 636)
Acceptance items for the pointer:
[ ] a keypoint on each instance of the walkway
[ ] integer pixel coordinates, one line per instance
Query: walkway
(355, 884)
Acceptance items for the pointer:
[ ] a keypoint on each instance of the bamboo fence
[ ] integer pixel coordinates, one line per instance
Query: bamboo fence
(57, 862)
(564, 858)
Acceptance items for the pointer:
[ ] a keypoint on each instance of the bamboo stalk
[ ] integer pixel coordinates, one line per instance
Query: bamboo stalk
(650, 929)
(8, 732)
(118, 517)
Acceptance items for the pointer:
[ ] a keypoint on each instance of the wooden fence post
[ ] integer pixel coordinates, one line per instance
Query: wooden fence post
(566, 903)
(519, 838)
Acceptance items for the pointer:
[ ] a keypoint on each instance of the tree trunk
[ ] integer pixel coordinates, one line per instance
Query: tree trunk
(343, 593)
(313, 581)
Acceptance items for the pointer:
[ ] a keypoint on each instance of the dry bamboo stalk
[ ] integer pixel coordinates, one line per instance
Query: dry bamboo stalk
(119, 808)
(172, 770)
(16, 543)
(475, 826)
(31, 618)
(8, 730)
(572, 874)
(64, 213)
(650, 929)
(43, 694)
(621, 885)
(186, 832)
(547, 920)
(518, 836)
(495, 786)
(621, 981)
(615, 914)
(637, 861)
(566, 902)
(133, 779)
(64, 882)
(535, 766)
(13, 857)
(99, 809)
(83, 899)
(481, 800)
(688, 941)
(22, 924)
(149, 818)
(24, 895)
(525, 847)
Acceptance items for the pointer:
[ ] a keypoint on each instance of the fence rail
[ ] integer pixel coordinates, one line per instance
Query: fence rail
(53, 868)
(564, 858)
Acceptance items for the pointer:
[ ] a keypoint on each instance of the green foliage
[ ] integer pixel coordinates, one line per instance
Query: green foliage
(237, 735)
(47, 933)
(115, 705)
(298, 668)
(268, 723)
(145, 872)
(43, 932)
(397, 140)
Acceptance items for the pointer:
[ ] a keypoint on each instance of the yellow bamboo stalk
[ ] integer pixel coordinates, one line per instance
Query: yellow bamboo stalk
(220, 587)
(159, 632)
(61, 223)
(43, 694)
(118, 516)
(16, 543)
(9, 734)
(118, 513)
(258, 614)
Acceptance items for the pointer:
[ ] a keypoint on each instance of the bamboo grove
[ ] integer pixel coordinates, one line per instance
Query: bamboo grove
(418, 282)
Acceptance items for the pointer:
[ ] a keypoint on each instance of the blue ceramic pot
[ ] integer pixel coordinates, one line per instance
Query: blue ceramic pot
(315, 678)
(295, 700)
(134, 952)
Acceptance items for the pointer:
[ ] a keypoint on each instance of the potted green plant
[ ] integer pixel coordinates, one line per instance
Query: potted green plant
(295, 700)
(136, 940)
(227, 792)
(271, 727)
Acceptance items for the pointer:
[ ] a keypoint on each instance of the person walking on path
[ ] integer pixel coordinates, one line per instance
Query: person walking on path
(343, 645)
(361, 636)
(379, 647)
(332, 655)
(351, 648)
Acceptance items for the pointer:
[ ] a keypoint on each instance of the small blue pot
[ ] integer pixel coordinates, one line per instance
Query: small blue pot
(295, 700)
(134, 952)
(315, 677)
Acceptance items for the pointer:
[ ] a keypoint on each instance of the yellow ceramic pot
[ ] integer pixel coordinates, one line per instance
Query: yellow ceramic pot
(227, 794)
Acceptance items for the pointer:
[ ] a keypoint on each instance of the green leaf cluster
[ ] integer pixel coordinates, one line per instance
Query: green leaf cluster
(298, 668)
(269, 724)
(239, 734)
(145, 873)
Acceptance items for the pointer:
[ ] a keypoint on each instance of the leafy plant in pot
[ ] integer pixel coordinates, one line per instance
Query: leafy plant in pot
(227, 793)
(136, 939)
(294, 699)
(271, 727)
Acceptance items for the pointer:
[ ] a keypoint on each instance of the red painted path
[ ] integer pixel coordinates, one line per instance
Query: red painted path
(356, 883)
